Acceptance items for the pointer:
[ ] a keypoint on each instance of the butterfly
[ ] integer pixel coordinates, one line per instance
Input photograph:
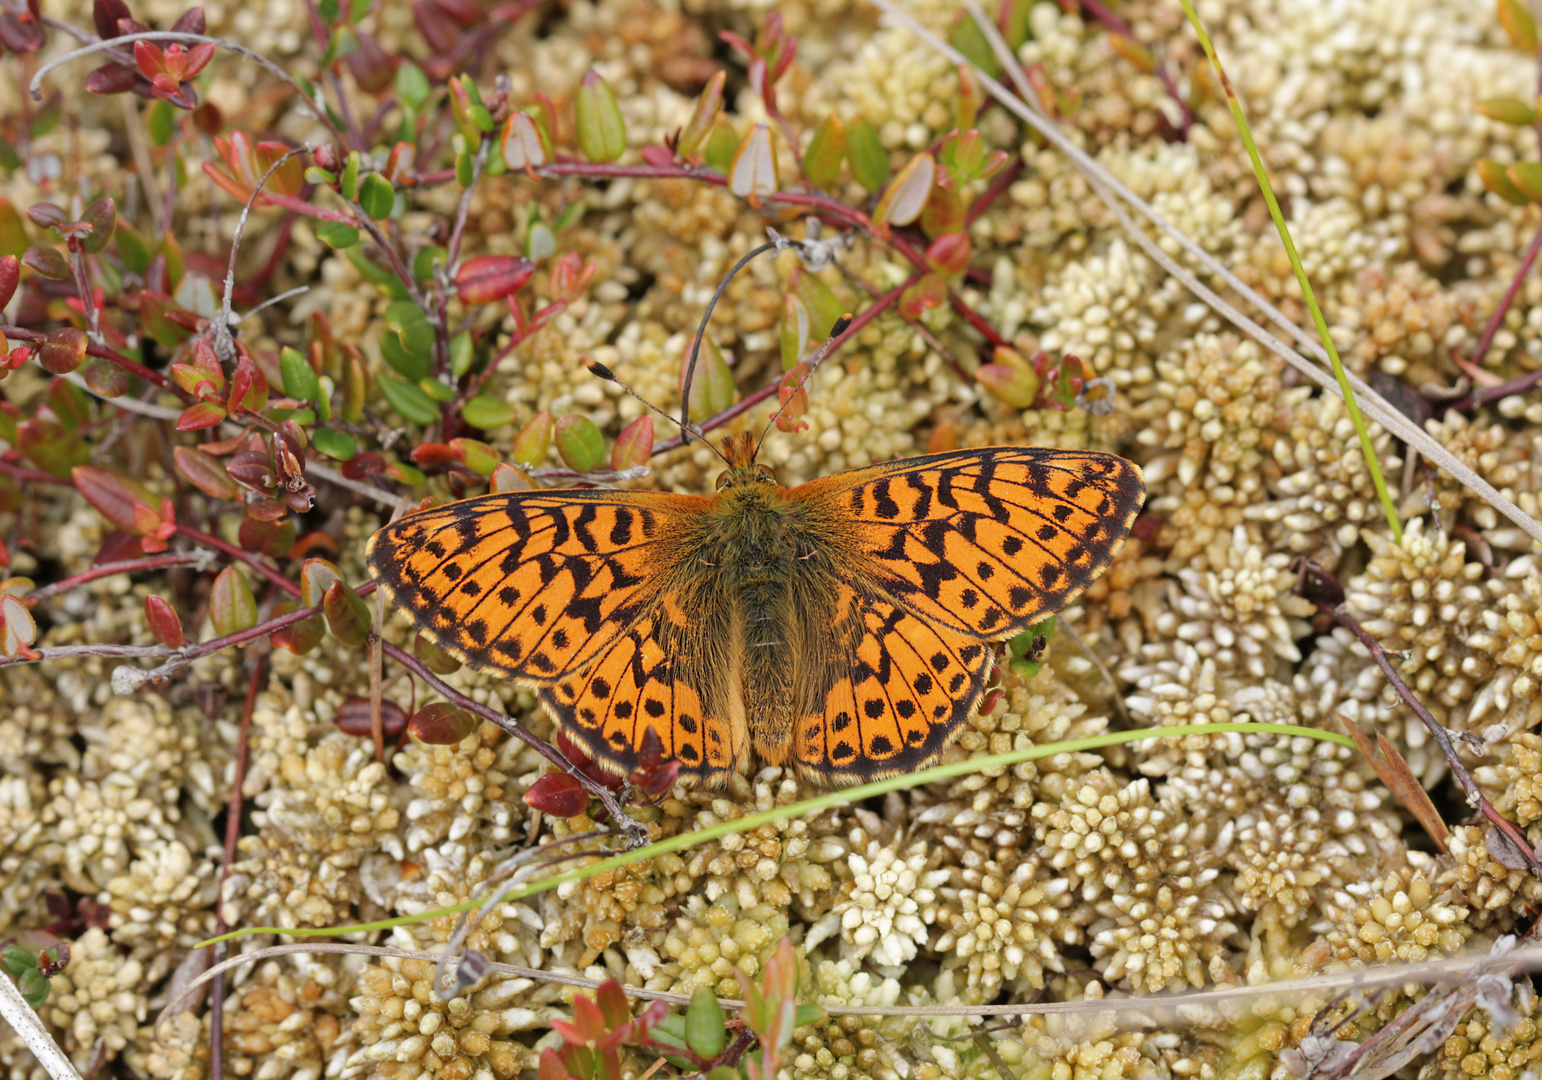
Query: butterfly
(844, 628)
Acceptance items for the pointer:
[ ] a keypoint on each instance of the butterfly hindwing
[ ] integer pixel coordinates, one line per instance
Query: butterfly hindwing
(530, 585)
(650, 676)
(985, 542)
(898, 686)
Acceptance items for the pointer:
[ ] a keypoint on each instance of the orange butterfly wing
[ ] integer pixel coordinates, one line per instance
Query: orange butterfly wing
(576, 594)
(532, 585)
(653, 676)
(897, 687)
(946, 552)
(985, 542)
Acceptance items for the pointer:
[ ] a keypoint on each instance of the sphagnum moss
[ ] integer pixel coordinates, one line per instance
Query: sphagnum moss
(1208, 861)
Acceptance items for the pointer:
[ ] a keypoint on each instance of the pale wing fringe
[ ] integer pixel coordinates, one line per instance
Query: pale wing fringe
(1104, 183)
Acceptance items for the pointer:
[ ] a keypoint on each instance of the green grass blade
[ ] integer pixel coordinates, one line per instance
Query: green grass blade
(842, 797)
(1306, 286)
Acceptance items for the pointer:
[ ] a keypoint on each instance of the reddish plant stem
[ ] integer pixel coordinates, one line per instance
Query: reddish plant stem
(976, 320)
(999, 183)
(1442, 737)
(104, 353)
(280, 246)
(34, 476)
(822, 204)
(1496, 320)
(177, 659)
(232, 834)
(1479, 398)
(127, 566)
(915, 324)
(635, 832)
(1101, 13)
(300, 206)
(755, 397)
(223, 546)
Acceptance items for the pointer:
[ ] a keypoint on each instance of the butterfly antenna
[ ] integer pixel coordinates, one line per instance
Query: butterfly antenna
(600, 371)
(684, 423)
(841, 326)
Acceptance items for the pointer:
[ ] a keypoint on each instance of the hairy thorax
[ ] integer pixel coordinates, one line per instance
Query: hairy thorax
(773, 585)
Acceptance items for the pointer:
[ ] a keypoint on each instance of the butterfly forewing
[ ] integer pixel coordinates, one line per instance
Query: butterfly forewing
(986, 542)
(531, 585)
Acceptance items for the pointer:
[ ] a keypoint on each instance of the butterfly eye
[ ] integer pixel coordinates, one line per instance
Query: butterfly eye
(722, 479)
(765, 470)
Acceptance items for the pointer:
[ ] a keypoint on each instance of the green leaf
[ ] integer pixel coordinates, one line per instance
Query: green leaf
(968, 39)
(807, 1014)
(705, 1032)
(1017, 29)
(299, 378)
(400, 314)
(722, 145)
(580, 443)
(335, 234)
(160, 122)
(347, 615)
(334, 443)
(376, 196)
(485, 413)
(232, 607)
(826, 151)
(869, 160)
(344, 42)
(373, 272)
(437, 389)
(34, 988)
(573, 213)
(348, 184)
(601, 129)
(423, 261)
(461, 353)
(412, 86)
(15, 959)
(13, 233)
(413, 365)
(133, 249)
(418, 338)
(409, 400)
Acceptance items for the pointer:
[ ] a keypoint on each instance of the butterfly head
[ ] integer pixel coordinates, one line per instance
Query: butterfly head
(739, 452)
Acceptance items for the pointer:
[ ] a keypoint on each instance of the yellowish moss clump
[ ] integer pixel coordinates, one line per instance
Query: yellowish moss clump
(284, 1023)
(404, 1031)
(329, 811)
(1400, 917)
(707, 942)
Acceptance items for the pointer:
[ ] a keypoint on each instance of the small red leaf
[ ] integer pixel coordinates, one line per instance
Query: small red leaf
(205, 472)
(164, 623)
(492, 277)
(197, 417)
(10, 274)
(63, 350)
(429, 455)
(115, 497)
(559, 795)
(442, 724)
(353, 718)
